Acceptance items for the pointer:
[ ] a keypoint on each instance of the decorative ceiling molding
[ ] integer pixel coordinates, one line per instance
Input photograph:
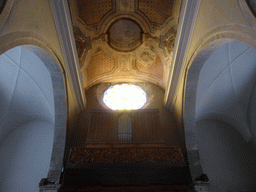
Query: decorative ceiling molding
(65, 32)
(123, 33)
(155, 69)
(158, 15)
(95, 18)
(83, 45)
(95, 10)
(140, 65)
(145, 26)
(186, 27)
(91, 14)
(113, 78)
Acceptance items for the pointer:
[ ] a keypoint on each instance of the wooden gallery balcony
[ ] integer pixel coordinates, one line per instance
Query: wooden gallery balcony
(125, 148)
(134, 136)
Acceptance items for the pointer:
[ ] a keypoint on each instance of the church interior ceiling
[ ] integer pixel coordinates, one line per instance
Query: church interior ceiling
(125, 40)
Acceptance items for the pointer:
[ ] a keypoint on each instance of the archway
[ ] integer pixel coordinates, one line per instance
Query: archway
(33, 118)
(218, 113)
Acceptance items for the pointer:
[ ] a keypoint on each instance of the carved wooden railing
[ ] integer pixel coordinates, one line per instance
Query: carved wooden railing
(125, 153)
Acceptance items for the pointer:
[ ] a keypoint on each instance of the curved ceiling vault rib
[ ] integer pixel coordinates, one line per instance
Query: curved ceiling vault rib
(230, 71)
(21, 68)
(209, 88)
(232, 81)
(17, 62)
(40, 62)
(48, 102)
(232, 102)
(11, 59)
(6, 134)
(14, 88)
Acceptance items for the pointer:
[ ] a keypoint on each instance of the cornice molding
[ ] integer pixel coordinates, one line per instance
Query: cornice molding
(186, 27)
(62, 19)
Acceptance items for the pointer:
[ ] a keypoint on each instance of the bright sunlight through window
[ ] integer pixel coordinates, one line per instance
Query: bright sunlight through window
(124, 97)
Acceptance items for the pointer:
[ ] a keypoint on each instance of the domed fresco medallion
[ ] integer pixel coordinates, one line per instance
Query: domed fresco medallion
(124, 35)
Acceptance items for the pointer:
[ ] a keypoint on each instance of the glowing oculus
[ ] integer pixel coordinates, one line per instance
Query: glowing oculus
(124, 97)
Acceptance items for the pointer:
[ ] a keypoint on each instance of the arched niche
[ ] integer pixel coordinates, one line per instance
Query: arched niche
(206, 148)
(42, 49)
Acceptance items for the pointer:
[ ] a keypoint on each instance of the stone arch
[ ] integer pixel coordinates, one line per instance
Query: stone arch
(206, 46)
(41, 48)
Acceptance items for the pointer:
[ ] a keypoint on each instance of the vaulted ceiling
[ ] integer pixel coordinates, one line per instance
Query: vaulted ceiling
(124, 40)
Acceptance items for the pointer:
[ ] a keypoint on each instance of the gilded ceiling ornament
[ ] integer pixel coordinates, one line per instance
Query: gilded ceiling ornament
(146, 56)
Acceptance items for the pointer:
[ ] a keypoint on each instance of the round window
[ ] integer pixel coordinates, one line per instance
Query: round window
(124, 96)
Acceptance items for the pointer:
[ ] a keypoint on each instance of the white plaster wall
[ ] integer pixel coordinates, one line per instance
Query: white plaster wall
(228, 161)
(225, 86)
(26, 120)
(25, 88)
(25, 157)
(225, 115)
